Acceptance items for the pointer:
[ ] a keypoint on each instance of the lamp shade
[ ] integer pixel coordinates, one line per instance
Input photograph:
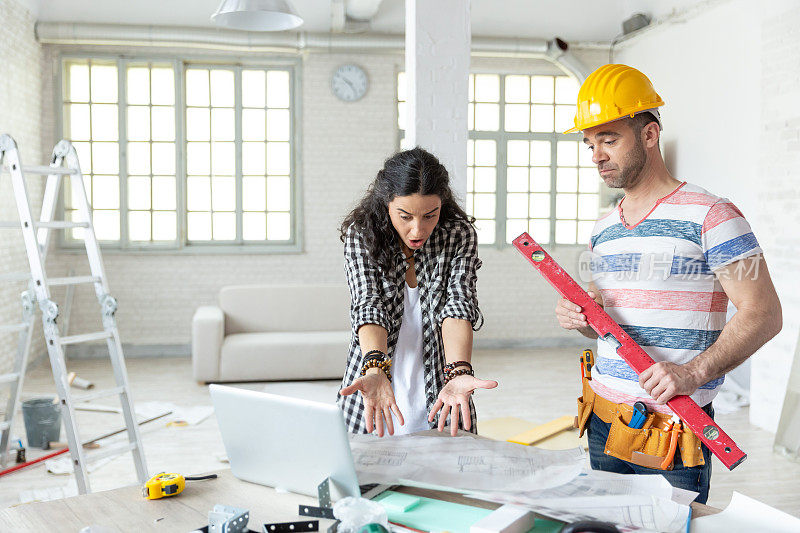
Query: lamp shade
(257, 15)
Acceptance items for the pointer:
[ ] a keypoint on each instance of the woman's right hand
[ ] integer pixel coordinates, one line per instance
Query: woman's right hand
(376, 390)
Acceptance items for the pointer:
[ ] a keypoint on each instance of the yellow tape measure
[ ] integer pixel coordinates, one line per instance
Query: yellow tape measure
(168, 484)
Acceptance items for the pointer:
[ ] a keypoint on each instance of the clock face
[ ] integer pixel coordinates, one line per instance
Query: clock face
(349, 83)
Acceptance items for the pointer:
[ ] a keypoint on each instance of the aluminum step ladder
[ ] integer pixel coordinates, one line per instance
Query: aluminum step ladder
(37, 235)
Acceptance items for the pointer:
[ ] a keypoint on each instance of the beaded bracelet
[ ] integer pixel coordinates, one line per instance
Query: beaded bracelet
(449, 367)
(459, 372)
(385, 365)
(374, 355)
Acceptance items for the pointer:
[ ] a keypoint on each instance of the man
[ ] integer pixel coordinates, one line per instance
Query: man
(664, 264)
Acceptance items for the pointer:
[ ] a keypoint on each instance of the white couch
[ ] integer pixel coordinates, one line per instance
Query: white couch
(272, 333)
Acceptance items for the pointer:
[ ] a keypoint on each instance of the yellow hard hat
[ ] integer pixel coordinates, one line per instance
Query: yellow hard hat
(612, 92)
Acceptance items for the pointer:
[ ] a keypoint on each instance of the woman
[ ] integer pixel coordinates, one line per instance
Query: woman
(411, 256)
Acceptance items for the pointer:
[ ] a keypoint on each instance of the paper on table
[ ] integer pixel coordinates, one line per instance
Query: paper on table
(745, 514)
(462, 463)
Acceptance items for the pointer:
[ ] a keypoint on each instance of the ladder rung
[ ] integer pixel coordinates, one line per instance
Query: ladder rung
(117, 449)
(97, 394)
(46, 170)
(72, 280)
(61, 224)
(9, 378)
(15, 276)
(86, 337)
(10, 224)
(13, 327)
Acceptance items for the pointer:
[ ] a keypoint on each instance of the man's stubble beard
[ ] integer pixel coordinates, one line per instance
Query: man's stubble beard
(630, 169)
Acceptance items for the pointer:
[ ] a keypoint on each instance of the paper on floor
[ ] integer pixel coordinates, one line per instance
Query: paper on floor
(63, 465)
(189, 415)
(462, 463)
(745, 514)
(49, 494)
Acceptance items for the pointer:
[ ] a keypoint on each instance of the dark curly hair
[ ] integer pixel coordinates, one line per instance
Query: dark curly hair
(414, 171)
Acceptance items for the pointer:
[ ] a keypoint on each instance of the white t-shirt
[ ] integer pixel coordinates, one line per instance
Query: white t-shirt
(408, 376)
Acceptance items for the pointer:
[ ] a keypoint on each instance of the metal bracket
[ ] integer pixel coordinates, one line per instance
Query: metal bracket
(108, 306)
(28, 304)
(324, 497)
(291, 527)
(50, 315)
(227, 519)
(324, 493)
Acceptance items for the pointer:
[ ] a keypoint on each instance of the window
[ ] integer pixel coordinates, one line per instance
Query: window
(176, 154)
(523, 174)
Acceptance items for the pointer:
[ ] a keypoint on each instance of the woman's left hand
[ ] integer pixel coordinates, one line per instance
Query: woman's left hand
(454, 397)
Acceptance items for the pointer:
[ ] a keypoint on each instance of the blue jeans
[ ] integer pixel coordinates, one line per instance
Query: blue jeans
(695, 478)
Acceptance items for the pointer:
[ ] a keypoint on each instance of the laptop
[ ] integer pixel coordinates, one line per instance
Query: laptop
(287, 443)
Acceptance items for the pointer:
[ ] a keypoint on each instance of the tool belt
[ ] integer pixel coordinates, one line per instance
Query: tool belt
(648, 446)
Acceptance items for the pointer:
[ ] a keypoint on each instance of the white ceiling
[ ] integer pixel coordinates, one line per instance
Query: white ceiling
(572, 20)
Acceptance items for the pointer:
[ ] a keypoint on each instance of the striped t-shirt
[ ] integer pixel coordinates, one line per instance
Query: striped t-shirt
(657, 281)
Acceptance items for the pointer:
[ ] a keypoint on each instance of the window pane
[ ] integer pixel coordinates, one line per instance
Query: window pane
(278, 88)
(518, 89)
(471, 88)
(138, 85)
(104, 83)
(105, 158)
(163, 158)
(278, 126)
(401, 116)
(224, 228)
(139, 225)
(585, 232)
(164, 193)
(84, 151)
(540, 153)
(542, 89)
(566, 206)
(253, 88)
(470, 152)
(485, 153)
(540, 230)
(567, 153)
(471, 116)
(485, 179)
(138, 192)
(138, 123)
(254, 125)
(253, 158)
(588, 206)
(222, 125)
(585, 156)
(197, 87)
(540, 179)
(104, 122)
(199, 226)
(515, 227)
(486, 231)
(198, 124)
(565, 117)
(254, 193)
(278, 193)
(565, 231)
(165, 226)
(223, 194)
(198, 193)
(138, 158)
(517, 179)
(163, 86)
(78, 122)
(106, 225)
(163, 123)
(484, 206)
(221, 90)
(487, 88)
(278, 159)
(539, 206)
(566, 90)
(78, 89)
(542, 118)
(278, 226)
(517, 205)
(198, 157)
(223, 159)
(517, 153)
(105, 192)
(566, 179)
(254, 226)
(589, 180)
(470, 179)
(517, 117)
(487, 117)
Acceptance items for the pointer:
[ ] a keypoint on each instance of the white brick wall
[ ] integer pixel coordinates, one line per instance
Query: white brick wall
(343, 146)
(731, 124)
(20, 117)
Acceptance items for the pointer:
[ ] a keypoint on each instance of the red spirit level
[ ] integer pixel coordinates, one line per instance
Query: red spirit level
(695, 418)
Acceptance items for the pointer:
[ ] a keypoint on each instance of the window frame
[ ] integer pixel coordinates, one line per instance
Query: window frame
(179, 64)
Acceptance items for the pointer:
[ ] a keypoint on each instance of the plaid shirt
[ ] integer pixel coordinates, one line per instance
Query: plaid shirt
(446, 268)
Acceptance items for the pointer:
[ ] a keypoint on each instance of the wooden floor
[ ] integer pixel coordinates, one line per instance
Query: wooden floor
(536, 385)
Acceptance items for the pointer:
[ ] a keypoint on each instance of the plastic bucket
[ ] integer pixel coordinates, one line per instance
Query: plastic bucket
(42, 421)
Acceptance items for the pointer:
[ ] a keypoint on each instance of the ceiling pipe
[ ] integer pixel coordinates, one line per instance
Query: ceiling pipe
(66, 33)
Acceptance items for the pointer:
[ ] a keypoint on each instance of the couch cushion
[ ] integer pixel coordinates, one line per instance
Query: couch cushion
(259, 308)
(284, 355)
